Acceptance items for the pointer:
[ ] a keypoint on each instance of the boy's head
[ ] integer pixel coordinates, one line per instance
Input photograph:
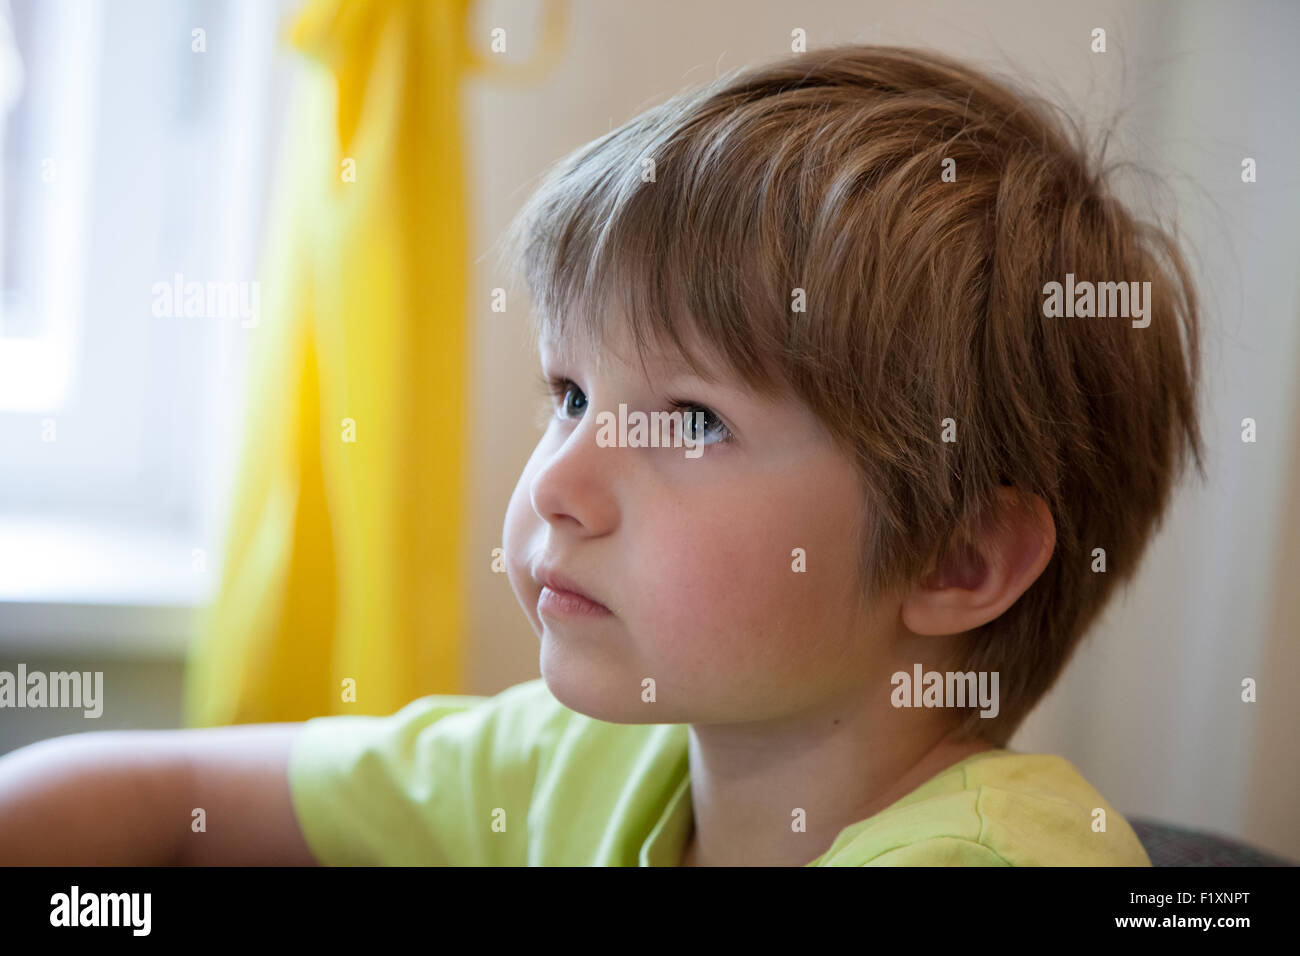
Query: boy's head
(844, 257)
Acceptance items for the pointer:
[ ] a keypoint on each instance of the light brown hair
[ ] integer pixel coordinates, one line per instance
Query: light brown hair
(924, 302)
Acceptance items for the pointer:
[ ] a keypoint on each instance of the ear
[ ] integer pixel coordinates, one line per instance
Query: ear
(970, 586)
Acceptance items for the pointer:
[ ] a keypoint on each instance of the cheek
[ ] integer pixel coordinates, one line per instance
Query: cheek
(515, 531)
(520, 527)
(725, 586)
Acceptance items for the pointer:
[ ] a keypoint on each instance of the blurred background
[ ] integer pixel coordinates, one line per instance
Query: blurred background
(259, 419)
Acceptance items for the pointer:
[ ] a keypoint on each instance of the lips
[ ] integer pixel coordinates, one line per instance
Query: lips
(562, 584)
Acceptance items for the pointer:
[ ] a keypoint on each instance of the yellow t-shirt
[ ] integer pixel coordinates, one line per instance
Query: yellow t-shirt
(518, 779)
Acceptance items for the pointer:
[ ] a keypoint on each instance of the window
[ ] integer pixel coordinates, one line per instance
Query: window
(137, 145)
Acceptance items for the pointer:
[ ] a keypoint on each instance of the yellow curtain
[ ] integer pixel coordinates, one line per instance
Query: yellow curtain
(342, 590)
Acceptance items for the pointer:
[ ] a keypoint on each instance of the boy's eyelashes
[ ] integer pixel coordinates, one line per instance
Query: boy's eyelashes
(559, 387)
(558, 390)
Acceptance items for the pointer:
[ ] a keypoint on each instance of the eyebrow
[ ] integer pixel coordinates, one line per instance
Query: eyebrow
(672, 365)
(662, 364)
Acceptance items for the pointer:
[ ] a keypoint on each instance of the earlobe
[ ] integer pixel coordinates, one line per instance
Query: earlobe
(971, 584)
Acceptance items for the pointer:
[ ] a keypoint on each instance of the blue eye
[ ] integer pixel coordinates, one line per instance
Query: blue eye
(561, 388)
(718, 427)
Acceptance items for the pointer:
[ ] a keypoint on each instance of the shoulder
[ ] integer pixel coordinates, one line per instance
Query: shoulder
(406, 787)
(1039, 810)
(506, 728)
(999, 808)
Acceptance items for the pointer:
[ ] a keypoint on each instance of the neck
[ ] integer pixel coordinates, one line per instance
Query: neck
(751, 786)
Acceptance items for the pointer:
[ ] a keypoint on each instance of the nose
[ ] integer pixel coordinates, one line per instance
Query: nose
(574, 485)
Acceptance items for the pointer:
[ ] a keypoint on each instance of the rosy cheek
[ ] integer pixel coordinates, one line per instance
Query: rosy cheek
(518, 530)
(703, 588)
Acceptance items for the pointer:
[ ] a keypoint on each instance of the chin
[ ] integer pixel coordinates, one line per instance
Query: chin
(586, 688)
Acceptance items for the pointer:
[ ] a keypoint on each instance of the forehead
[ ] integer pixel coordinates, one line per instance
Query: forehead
(612, 346)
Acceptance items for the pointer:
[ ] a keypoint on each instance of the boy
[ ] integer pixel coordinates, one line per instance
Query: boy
(810, 643)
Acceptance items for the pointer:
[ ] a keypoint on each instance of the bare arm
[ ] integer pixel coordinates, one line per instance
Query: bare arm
(127, 798)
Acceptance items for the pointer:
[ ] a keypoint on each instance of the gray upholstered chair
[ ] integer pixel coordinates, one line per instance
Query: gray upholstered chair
(1177, 846)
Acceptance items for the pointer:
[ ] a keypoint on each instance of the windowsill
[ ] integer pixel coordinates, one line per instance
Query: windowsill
(93, 586)
(107, 630)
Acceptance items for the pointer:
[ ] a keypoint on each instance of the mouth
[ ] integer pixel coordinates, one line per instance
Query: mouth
(564, 596)
(569, 604)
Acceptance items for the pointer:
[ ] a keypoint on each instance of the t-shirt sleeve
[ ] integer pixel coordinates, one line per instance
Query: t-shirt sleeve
(445, 781)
